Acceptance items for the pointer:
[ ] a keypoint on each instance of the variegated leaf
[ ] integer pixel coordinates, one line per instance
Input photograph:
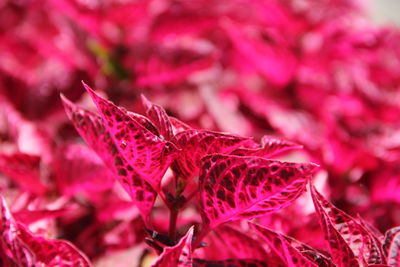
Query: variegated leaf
(159, 117)
(342, 254)
(391, 246)
(179, 255)
(232, 263)
(22, 248)
(291, 251)
(196, 144)
(90, 126)
(233, 187)
(140, 151)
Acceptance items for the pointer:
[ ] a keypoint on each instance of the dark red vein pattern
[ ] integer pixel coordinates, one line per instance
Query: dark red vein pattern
(270, 146)
(178, 255)
(342, 254)
(144, 153)
(291, 251)
(391, 246)
(90, 126)
(21, 248)
(233, 187)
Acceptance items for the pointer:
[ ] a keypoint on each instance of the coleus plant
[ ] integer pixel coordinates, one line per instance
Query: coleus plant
(226, 178)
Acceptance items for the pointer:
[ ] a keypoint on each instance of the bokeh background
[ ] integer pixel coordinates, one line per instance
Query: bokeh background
(324, 74)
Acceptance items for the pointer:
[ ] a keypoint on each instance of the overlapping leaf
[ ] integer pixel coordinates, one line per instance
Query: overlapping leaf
(90, 126)
(349, 242)
(21, 248)
(79, 169)
(233, 187)
(195, 144)
(159, 117)
(239, 245)
(391, 246)
(179, 255)
(23, 169)
(291, 251)
(146, 156)
(270, 146)
(178, 126)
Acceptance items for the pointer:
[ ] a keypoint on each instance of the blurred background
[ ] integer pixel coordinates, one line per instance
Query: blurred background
(321, 73)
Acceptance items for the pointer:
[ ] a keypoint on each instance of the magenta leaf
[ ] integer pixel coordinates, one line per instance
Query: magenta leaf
(90, 126)
(159, 117)
(79, 169)
(233, 187)
(195, 144)
(145, 122)
(349, 242)
(231, 263)
(236, 243)
(240, 245)
(142, 155)
(22, 248)
(291, 251)
(391, 246)
(270, 146)
(178, 255)
(178, 126)
(23, 169)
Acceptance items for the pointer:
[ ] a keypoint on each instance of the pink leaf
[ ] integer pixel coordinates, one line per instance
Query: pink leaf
(344, 246)
(90, 126)
(24, 169)
(364, 245)
(292, 252)
(178, 255)
(25, 249)
(270, 146)
(145, 122)
(391, 246)
(159, 117)
(79, 169)
(236, 244)
(231, 263)
(178, 126)
(142, 154)
(195, 144)
(233, 187)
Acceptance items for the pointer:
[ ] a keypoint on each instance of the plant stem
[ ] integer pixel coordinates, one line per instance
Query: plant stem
(204, 231)
(173, 218)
